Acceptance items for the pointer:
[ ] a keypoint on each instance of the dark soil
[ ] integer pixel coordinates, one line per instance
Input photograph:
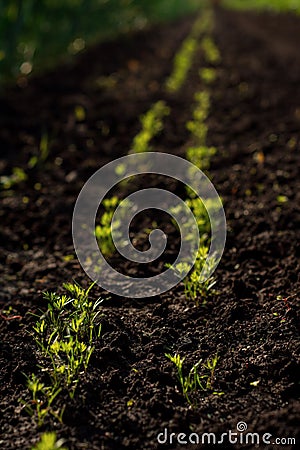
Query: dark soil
(253, 320)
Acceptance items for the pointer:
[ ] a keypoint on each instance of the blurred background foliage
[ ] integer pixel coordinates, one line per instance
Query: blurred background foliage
(36, 34)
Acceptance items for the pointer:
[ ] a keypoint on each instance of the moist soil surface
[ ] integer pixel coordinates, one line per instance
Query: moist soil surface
(130, 392)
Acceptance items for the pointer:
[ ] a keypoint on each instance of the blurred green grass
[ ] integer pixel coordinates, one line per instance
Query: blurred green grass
(36, 34)
(273, 5)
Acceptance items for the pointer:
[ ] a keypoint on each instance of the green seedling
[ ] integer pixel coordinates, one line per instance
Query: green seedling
(204, 23)
(203, 100)
(197, 125)
(210, 365)
(152, 124)
(103, 231)
(200, 156)
(184, 57)
(120, 169)
(196, 287)
(182, 64)
(208, 75)
(43, 153)
(200, 377)
(8, 181)
(211, 52)
(200, 213)
(200, 288)
(18, 174)
(108, 228)
(80, 113)
(282, 199)
(199, 130)
(48, 441)
(107, 82)
(64, 336)
(42, 400)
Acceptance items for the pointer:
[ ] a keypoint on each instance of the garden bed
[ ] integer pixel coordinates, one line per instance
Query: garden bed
(81, 117)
